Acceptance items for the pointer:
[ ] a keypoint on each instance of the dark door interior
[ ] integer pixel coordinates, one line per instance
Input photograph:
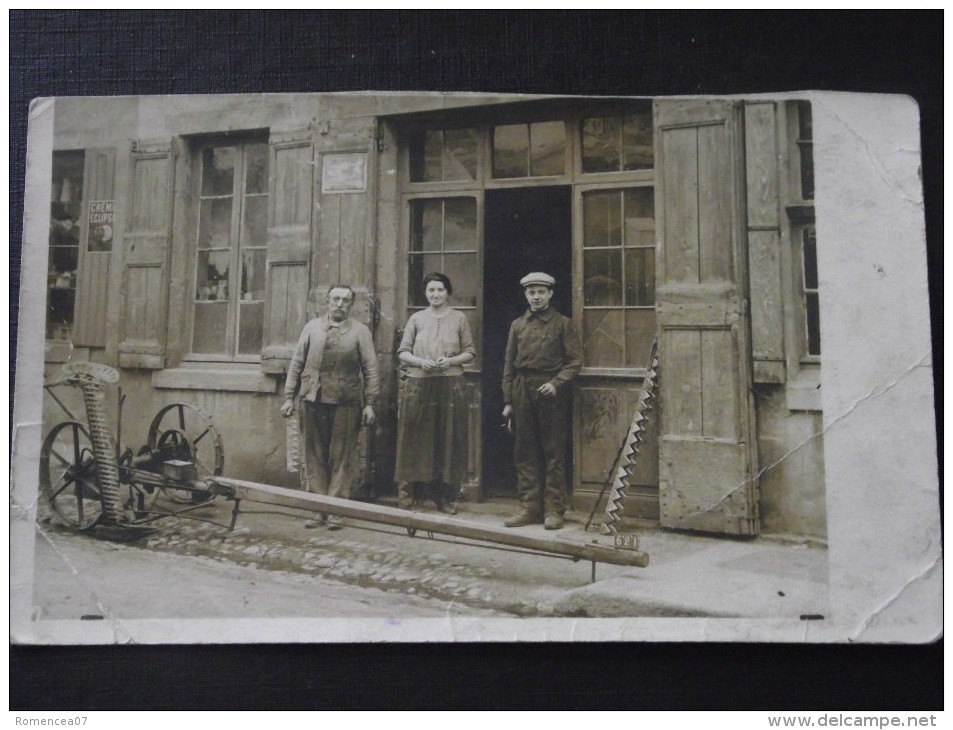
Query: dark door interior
(526, 229)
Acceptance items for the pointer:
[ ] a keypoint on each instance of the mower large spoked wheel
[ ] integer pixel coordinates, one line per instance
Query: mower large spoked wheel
(184, 432)
(68, 476)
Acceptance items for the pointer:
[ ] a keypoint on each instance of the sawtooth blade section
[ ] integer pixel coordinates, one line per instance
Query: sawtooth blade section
(633, 442)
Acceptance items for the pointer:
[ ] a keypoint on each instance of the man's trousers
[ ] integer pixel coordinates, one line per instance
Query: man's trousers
(541, 432)
(330, 432)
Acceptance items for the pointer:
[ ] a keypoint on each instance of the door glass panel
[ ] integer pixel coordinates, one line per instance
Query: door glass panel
(460, 224)
(215, 223)
(432, 156)
(460, 154)
(600, 144)
(210, 325)
(441, 231)
(638, 152)
(603, 272)
(427, 225)
(218, 170)
(460, 267)
(639, 334)
(602, 218)
(603, 340)
(640, 217)
(640, 277)
(548, 148)
(419, 266)
(510, 150)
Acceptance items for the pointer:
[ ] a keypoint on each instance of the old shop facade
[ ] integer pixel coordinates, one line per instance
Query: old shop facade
(192, 237)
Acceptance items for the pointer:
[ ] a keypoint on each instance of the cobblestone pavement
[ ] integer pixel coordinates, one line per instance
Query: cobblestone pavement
(385, 558)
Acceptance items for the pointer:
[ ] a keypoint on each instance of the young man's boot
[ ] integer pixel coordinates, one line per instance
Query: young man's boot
(524, 517)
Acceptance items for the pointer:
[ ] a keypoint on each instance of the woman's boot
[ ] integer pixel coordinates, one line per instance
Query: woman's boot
(405, 498)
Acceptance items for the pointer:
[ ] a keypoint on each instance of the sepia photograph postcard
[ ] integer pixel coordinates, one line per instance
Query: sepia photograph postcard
(459, 367)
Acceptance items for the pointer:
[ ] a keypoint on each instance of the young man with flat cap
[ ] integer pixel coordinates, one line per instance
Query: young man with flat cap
(543, 356)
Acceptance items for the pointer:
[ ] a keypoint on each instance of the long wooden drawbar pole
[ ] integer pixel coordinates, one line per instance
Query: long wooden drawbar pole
(267, 494)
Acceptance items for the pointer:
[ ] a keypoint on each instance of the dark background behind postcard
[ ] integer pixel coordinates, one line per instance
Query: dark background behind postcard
(55, 53)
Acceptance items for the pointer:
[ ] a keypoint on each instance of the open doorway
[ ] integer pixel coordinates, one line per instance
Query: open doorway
(525, 230)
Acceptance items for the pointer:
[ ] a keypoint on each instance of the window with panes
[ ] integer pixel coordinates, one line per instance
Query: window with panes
(65, 213)
(443, 228)
(804, 232)
(230, 250)
(615, 168)
(618, 240)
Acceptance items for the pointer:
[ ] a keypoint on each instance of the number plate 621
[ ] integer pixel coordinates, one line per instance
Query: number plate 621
(626, 542)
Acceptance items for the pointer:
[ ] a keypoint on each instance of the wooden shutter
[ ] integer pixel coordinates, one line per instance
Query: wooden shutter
(707, 447)
(345, 156)
(345, 160)
(288, 269)
(92, 280)
(764, 241)
(146, 256)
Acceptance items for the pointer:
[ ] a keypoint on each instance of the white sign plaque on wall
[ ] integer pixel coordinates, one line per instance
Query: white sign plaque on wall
(344, 173)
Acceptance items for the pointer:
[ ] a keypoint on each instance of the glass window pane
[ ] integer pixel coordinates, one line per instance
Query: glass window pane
(215, 223)
(460, 154)
(418, 266)
(253, 274)
(602, 338)
(59, 313)
(813, 324)
(460, 224)
(432, 157)
(255, 229)
(208, 333)
(548, 148)
(426, 225)
(602, 269)
(640, 277)
(602, 218)
(638, 152)
(510, 150)
(211, 275)
(810, 259)
(595, 219)
(218, 170)
(805, 124)
(63, 260)
(251, 315)
(639, 217)
(256, 168)
(600, 144)
(639, 334)
(807, 170)
(461, 268)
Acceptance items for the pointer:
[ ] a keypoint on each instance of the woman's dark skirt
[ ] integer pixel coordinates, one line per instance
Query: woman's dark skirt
(432, 431)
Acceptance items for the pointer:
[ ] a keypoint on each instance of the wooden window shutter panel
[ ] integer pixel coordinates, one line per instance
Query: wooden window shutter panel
(345, 164)
(288, 269)
(707, 436)
(147, 244)
(762, 174)
(92, 280)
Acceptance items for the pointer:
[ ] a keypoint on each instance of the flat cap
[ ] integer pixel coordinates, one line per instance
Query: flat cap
(538, 277)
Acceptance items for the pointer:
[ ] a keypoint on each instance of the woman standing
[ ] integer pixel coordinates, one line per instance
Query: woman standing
(432, 428)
